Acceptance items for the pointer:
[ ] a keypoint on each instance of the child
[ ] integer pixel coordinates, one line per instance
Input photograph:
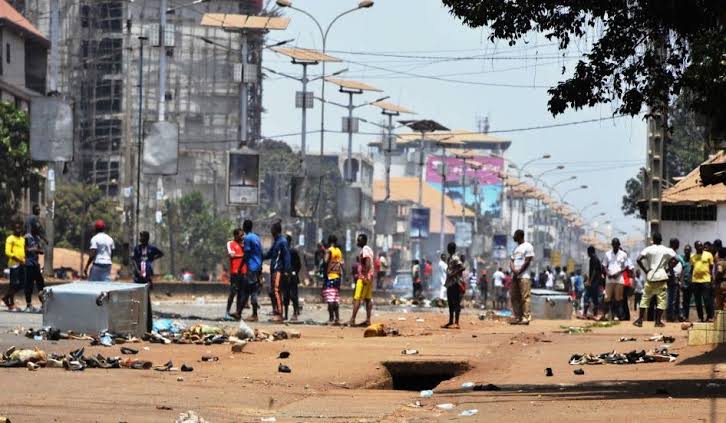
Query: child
(331, 283)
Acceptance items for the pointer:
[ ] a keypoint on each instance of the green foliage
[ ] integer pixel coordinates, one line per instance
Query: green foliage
(621, 39)
(18, 170)
(199, 236)
(77, 207)
(633, 194)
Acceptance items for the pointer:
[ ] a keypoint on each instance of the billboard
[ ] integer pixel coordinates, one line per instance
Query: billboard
(483, 184)
(420, 218)
(243, 177)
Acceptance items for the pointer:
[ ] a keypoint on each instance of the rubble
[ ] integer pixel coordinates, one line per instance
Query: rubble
(662, 338)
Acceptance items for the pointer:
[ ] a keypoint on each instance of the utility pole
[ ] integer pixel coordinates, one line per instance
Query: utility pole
(54, 169)
(162, 61)
(140, 132)
(243, 93)
(657, 135)
(443, 195)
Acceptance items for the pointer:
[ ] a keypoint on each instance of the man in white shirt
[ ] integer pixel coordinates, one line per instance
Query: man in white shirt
(499, 297)
(519, 264)
(655, 261)
(441, 273)
(100, 255)
(614, 264)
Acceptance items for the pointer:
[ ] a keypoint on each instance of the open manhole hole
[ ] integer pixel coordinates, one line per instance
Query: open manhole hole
(420, 375)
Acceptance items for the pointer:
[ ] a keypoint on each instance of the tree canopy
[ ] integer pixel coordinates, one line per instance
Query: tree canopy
(625, 62)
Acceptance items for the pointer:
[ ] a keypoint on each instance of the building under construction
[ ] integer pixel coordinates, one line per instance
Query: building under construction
(99, 75)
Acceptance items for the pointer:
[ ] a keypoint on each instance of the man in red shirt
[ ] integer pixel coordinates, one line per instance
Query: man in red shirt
(237, 272)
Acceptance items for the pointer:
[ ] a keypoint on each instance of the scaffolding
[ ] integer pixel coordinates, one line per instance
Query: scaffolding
(99, 58)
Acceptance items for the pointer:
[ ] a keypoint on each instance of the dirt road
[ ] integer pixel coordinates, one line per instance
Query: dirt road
(337, 375)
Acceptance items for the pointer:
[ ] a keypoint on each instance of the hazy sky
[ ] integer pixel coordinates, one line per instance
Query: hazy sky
(603, 155)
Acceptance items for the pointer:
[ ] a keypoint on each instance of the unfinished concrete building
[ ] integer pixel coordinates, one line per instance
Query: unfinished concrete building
(99, 75)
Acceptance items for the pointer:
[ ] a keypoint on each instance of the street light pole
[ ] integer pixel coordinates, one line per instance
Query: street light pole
(140, 132)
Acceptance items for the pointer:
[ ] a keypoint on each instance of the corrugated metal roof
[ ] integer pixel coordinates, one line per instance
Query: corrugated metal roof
(8, 13)
(690, 190)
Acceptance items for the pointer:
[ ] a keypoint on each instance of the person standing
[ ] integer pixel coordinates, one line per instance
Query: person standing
(654, 260)
(614, 265)
(15, 252)
(416, 278)
(483, 285)
(279, 256)
(719, 278)
(595, 280)
(441, 270)
(100, 255)
(142, 261)
(675, 275)
(701, 270)
(428, 270)
(624, 306)
(686, 284)
(33, 221)
(382, 270)
(237, 273)
(252, 247)
(332, 282)
(454, 272)
(638, 286)
(498, 282)
(292, 281)
(33, 275)
(519, 264)
(364, 282)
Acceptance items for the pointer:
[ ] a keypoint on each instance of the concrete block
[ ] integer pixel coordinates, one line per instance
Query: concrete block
(703, 326)
(697, 337)
(713, 337)
(719, 320)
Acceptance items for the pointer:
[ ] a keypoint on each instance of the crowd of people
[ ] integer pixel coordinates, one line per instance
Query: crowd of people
(659, 283)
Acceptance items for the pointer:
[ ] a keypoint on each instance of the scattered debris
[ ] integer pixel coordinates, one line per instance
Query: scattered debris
(164, 367)
(548, 372)
(379, 329)
(409, 352)
(686, 325)
(662, 338)
(420, 320)
(281, 368)
(588, 327)
(129, 351)
(185, 368)
(658, 355)
(210, 358)
(284, 355)
(343, 385)
(415, 404)
(190, 417)
(469, 413)
(180, 379)
(579, 372)
(32, 366)
(426, 394)
(627, 339)
(238, 347)
(268, 419)
(164, 407)
(467, 385)
(445, 406)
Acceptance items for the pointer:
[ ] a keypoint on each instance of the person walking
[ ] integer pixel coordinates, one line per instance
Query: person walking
(102, 247)
(519, 264)
(382, 270)
(454, 272)
(32, 273)
(595, 280)
(292, 281)
(15, 252)
(252, 249)
(33, 221)
(654, 260)
(614, 265)
(701, 271)
(142, 261)
(332, 282)
(237, 273)
(364, 282)
(685, 311)
(279, 256)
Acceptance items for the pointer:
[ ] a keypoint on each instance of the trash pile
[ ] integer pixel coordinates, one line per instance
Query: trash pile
(576, 330)
(658, 355)
(379, 329)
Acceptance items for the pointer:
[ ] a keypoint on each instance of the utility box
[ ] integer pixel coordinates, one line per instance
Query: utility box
(550, 305)
(94, 307)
